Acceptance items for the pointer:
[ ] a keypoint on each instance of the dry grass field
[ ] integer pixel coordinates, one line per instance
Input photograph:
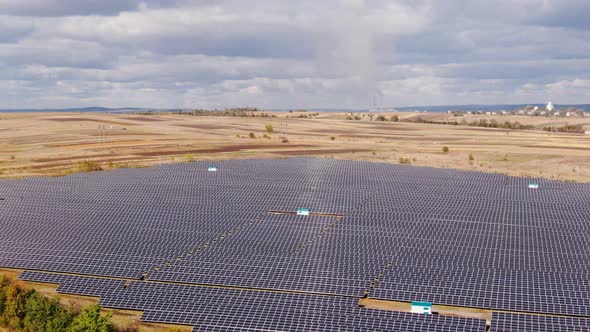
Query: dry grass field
(54, 144)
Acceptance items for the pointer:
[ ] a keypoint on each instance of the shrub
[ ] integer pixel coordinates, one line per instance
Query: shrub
(89, 166)
(251, 135)
(44, 314)
(381, 118)
(285, 140)
(12, 157)
(332, 138)
(189, 157)
(471, 158)
(394, 118)
(445, 149)
(90, 320)
(406, 161)
(268, 128)
(266, 136)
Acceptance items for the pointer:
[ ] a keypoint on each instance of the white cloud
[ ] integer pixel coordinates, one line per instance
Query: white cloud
(305, 53)
(564, 88)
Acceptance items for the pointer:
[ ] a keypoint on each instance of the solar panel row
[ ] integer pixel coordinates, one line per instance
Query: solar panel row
(507, 322)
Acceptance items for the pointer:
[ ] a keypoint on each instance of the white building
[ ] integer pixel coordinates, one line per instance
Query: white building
(302, 212)
(550, 106)
(422, 308)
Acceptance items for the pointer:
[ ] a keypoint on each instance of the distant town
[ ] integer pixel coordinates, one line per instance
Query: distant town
(550, 110)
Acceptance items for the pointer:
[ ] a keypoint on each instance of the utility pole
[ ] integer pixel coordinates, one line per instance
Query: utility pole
(100, 131)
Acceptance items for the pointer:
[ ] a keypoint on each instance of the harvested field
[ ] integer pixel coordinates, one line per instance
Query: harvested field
(144, 119)
(395, 127)
(30, 144)
(205, 126)
(216, 150)
(83, 119)
(46, 160)
(556, 147)
(316, 152)
(328, 131)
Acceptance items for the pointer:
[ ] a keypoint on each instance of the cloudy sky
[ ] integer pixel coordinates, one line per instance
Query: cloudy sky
(292, 53)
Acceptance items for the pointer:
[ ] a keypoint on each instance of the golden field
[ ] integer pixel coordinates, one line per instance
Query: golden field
(54, 144)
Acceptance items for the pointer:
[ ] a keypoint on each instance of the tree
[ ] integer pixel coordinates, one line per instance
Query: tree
(90, 320)
(15, 306)
(445, 149)
(43, 314)
(4, 282)
(251, 135)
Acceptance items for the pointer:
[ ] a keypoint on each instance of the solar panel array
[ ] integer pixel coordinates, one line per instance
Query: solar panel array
(214, 309)
(76, 285)
(507, 322)
(393, 232)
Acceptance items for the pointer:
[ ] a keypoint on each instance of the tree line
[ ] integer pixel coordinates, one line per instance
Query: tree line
(578, 129)
(23, 309)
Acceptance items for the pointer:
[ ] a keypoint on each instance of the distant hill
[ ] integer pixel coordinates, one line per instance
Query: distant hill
(437, 109)
(87, 110)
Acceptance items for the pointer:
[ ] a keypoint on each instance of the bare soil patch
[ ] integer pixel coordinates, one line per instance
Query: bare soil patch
(444, 310)
(89, 120)
(389, 127)
(328, 131)
(233, 148)
(205, 126)
(556, 147)
(317, 152)
(46, 160)
(126, 133)
(144, 119)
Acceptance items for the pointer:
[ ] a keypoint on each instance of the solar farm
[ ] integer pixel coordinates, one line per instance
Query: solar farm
(220, 246)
